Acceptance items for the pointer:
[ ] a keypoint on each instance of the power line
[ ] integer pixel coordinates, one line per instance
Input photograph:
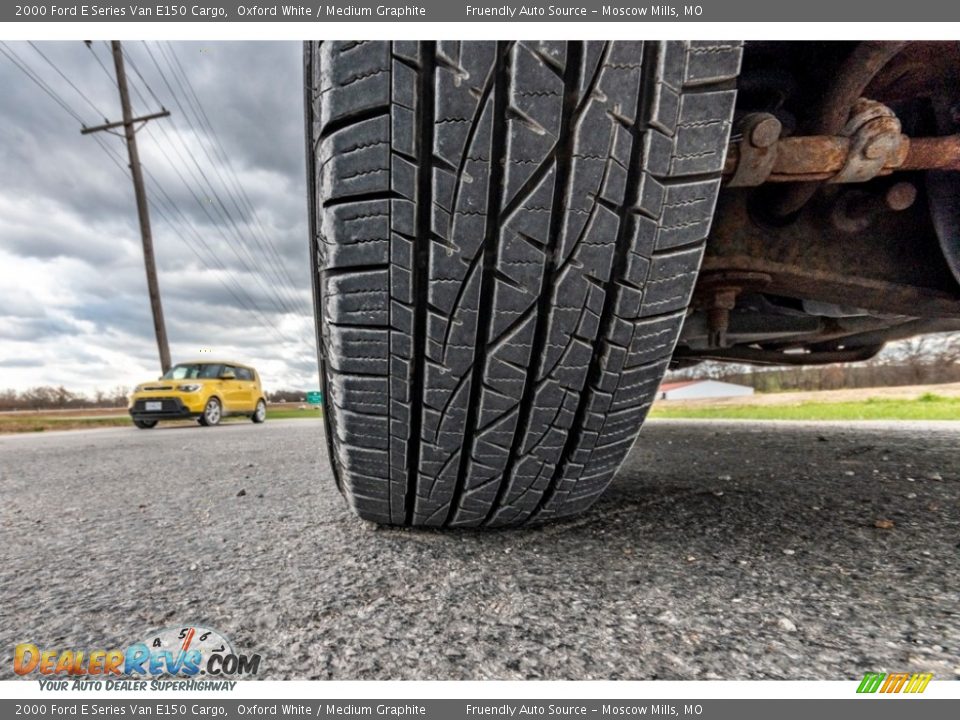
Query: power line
(111, 78)
(225, 157)
(129, 123)
(113, 155)
(166, 210)
(199, 114)
(16, 60)
(213, 221)
(281, 286)
(137, 72)
(196, 233)
(220, 208)
(249, 304)
(68, 80)
(203, 121)
(203, 206)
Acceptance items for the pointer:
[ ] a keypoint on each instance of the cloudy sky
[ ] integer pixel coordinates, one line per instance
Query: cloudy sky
(233, 266)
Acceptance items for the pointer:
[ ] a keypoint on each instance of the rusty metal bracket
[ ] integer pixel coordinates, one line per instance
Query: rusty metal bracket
(760, 133)
(874, 133)
(871, 145)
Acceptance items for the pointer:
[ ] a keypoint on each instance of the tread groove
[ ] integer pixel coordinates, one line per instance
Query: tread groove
(564, 160)
(622, 247)
(334, 126)
(501, 81)
(420, 269)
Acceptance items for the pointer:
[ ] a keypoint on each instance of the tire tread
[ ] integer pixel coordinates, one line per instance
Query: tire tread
(507, 236)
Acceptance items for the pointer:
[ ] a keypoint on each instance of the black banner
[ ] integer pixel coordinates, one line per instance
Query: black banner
(579, 11)
(875, 708)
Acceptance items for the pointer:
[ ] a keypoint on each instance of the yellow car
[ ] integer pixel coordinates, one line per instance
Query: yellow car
(205, 390)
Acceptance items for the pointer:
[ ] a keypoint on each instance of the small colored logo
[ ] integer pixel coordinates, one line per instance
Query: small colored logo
(895, 682)
(171, 652)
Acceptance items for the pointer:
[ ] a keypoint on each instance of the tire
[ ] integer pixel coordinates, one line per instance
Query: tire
(145, 424)
(212, 413)
(506, 239)
(260, 414)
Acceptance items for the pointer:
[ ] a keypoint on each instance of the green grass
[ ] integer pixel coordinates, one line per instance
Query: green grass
(39, 422)
(925, 407)
(287, 413)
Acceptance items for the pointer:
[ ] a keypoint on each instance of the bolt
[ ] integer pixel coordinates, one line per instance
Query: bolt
(855, 210)
(718, 320)
(718, 315)
(766, 132)
(900, 196)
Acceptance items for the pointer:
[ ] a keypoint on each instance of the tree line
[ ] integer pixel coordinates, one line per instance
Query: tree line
(930, 359)
(50, 397)
(924, 360)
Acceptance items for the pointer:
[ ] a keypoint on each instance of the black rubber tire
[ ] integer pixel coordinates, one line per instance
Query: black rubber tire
(506, 238)
(205, 420)
(145, 424)
(256, 417)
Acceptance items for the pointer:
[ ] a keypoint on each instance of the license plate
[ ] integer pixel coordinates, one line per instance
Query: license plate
(155, 406)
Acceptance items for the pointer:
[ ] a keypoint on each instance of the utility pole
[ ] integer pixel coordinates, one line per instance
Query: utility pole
(143, 211)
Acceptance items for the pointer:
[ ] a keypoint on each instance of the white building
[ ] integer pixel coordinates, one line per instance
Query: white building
(697, 389)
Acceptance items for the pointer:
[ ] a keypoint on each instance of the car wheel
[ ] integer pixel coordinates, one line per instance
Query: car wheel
(212, 413)
(145, 424)
(506, 239)
(260, 414)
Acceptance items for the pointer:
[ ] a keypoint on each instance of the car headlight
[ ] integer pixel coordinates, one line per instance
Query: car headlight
(188, 388)
(138, 388)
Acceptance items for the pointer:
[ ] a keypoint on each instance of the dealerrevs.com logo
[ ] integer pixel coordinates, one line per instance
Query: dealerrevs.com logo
(174, 652)
(895, 683)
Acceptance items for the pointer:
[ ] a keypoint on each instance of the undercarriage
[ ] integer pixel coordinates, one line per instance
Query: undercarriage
(837, 229)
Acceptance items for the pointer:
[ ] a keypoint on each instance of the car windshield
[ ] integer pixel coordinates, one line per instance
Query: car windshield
(193, 371)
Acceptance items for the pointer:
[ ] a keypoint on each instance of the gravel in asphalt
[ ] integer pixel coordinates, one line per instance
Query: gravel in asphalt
(729, 550)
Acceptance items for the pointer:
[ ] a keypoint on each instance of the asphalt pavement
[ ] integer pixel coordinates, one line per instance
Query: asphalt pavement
(723, 550)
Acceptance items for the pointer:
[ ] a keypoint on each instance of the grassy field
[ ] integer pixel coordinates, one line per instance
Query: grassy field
(832, 406)
(275, 413)
(26, 422)
(928, 406)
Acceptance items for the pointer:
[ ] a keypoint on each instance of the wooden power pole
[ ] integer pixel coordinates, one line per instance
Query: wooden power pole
(143, 210)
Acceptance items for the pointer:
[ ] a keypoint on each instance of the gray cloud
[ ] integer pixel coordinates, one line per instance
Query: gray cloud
(73, 305)
(36, 328)
(21, 363)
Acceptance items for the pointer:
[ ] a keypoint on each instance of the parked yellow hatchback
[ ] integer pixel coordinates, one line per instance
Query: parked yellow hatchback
(205, 390)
